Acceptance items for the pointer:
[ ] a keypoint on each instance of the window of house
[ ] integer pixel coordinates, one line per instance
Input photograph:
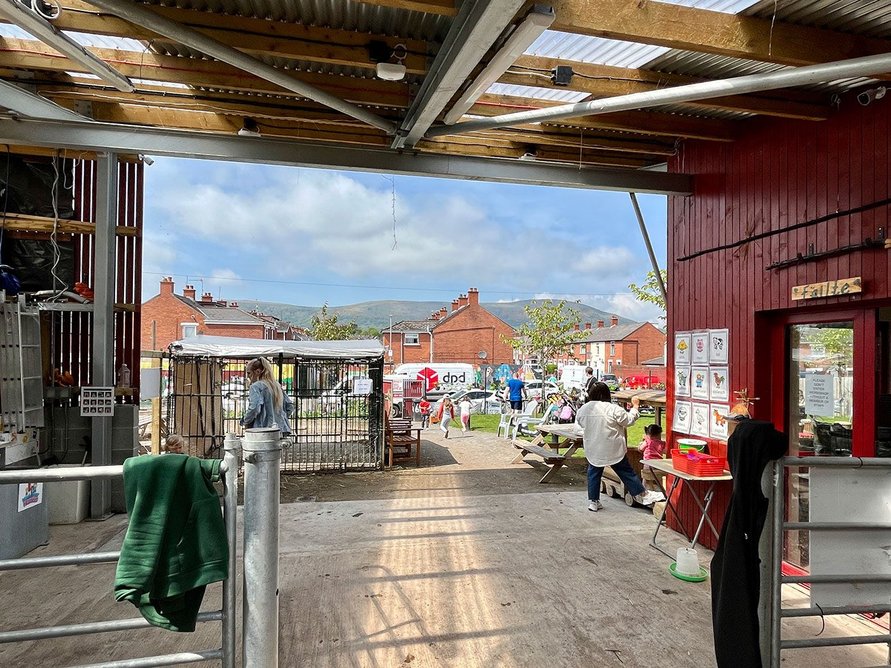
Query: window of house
(582, 349)
(189, 329)
(412, 339)
(612, 347)
(610, 366)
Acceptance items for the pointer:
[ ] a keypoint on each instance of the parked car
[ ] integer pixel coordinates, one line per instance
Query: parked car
(533, 388)
(480, 401)
(611, 381)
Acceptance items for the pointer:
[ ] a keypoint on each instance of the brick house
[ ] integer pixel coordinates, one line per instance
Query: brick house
(167, 317)
(620, 349)
(456, 335)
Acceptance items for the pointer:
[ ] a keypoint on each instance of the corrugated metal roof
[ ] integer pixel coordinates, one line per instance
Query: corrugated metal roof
(862, 17)
(552, 94)
(341, 14)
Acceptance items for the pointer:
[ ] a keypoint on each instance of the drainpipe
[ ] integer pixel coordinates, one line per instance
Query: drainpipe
(751, 83)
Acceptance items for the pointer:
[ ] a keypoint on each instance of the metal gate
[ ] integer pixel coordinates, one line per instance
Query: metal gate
(337, 423)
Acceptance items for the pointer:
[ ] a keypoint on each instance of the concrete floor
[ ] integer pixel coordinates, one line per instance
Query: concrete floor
(465, 562)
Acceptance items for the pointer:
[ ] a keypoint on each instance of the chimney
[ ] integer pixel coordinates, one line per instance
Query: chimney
(207, 298)
(234, 304)
(614, 321)
(166, 285)
(455, 305)
(587, 325)
(462, 301)
(473, 296)
(600, 324)
(443, 312)
(576, 327)
(435, 315)
(189, 292)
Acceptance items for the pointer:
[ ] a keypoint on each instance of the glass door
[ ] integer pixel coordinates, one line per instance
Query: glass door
(821, 411)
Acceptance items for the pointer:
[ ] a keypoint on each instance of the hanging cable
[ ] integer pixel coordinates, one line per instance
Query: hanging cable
(58, 283)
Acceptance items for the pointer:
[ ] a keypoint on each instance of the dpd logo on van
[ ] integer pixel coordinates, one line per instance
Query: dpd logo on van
(429, 376)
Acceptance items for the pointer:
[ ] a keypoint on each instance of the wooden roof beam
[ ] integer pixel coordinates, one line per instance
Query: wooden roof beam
(679, 27)
(250, 35)
(32, 55)
(608, 81)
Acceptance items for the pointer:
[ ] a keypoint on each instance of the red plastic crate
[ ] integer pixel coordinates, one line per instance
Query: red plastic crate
(696, 463)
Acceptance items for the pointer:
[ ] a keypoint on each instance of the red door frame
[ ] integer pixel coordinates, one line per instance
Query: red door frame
(771, 382)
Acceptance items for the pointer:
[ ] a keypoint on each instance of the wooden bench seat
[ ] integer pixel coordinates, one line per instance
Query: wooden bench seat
(548, 455)
(554, 459)
(402, 440)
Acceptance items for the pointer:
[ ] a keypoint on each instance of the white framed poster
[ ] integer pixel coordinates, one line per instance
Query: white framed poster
(719, 383)
(682, 413)
(681, 348)
(699, 382)
(699, 347)
(718, 422)
(682, 381)
(718, 346)
(30, 494)
(699, 420)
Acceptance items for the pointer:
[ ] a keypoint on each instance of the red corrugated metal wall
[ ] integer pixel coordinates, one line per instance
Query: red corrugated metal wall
(73, 331)
(778, 173)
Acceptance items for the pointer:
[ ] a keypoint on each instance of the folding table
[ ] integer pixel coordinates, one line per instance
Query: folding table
(703, 503)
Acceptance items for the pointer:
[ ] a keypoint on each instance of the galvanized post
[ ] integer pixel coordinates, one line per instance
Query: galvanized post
(231, 448)
(103, 373)
(262, 467)
(767, 575)
(777, 514)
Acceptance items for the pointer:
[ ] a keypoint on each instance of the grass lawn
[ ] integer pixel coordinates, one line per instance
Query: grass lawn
(489, 423)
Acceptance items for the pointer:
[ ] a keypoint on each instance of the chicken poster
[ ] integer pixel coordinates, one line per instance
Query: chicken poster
(719, 383)
(682, 348)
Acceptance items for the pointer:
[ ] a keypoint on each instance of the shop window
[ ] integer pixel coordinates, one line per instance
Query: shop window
(412, 339)
(189, 329)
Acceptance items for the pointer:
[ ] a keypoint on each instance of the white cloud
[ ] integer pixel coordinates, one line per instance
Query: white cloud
(605, 261)
(225, 275)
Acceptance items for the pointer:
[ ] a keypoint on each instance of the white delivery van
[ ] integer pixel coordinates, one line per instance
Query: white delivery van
(573, 376)
(449, 376)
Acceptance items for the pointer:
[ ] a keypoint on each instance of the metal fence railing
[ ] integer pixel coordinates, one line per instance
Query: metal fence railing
(226, 615)
(772, 608)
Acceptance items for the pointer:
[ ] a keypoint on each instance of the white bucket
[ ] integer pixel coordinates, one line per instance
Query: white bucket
(687, 562)
(695, 443)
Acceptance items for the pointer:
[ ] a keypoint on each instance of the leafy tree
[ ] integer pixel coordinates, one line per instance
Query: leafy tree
(649, 291)
(549, 330)
(324, 327)
(370, 333)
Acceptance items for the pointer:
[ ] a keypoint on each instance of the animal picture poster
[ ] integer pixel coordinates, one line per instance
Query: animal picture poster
(700, 420)
(682, 348)
(719, 383)
(682, 415)
(718, 428)
(699, 346)
(682, 381)
(718, 346)
(699, 382)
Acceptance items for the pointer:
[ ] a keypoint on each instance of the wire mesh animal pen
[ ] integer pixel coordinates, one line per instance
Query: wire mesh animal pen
(336, 387)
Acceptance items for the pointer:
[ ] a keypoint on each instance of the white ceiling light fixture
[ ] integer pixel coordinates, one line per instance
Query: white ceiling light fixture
(530, 29)
(393, 71)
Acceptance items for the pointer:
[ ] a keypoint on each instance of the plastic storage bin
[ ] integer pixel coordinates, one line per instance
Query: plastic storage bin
(68, 502)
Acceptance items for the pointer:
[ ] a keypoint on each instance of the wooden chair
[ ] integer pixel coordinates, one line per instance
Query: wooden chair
(402, 440)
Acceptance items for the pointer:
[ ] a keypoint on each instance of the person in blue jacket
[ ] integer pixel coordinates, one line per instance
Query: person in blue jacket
(268, 405)
(516, 389)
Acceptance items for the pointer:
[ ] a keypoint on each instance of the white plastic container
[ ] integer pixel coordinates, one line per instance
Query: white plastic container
(687, 562)
(68, 502)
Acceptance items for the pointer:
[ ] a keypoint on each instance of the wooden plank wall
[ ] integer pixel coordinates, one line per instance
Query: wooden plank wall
(73, 331)
(778, 173)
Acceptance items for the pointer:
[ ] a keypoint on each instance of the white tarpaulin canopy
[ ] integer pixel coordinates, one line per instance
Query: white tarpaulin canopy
(225, 346)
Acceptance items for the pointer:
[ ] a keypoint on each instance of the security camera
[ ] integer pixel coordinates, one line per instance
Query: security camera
(147, 159)
(871, 95)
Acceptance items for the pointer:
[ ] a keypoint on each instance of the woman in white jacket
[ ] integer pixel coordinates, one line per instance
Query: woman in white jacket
(604, 424)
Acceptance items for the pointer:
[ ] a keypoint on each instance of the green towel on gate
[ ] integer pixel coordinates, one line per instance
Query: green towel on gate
(175, 543)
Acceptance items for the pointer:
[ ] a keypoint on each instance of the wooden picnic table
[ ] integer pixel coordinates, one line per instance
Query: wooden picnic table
(551, 438)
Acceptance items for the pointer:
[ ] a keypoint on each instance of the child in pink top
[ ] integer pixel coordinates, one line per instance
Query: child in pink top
(652, 447)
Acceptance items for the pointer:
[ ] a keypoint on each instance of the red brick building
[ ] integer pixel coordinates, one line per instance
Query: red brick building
(167, 317)
(457, 335)
(620, 349)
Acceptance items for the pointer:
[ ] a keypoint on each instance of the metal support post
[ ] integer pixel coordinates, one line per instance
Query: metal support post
(231, 448)
(777, 513)
(103, 316)
(765, 554)
(646, 238)
(262, 467)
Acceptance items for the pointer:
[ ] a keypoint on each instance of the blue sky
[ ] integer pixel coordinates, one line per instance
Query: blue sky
(308, 236)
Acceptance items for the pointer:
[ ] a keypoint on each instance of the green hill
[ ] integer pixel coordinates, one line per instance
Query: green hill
(377, 313)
